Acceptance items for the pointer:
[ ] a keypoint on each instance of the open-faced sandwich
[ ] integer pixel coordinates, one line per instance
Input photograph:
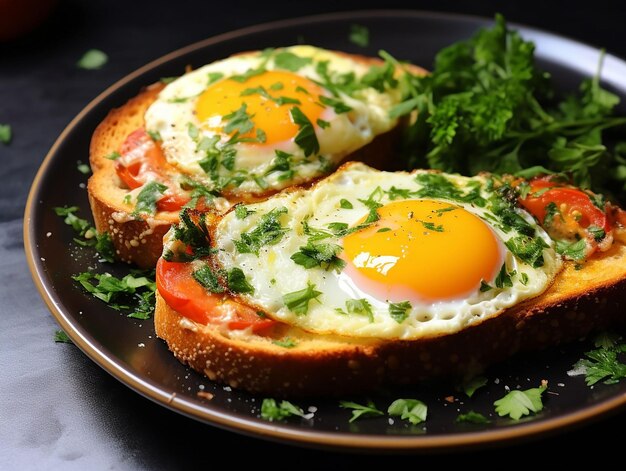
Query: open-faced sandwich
(236, 130)
(372, 278)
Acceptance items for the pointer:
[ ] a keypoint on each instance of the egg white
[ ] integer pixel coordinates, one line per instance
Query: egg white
(175, 106)
(273, 274)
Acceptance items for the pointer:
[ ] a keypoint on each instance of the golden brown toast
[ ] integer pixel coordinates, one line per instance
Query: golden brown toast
(577, 303)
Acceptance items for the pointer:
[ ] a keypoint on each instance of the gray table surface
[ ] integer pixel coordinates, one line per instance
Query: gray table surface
(58, 410)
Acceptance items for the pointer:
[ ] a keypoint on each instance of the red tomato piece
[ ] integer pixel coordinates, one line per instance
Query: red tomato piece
(184, 294)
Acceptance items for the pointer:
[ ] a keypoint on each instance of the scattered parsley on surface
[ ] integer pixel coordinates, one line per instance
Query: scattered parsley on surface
(359, 35)
(93, 59)
(413, 410)
(519, 403)
(360, 411)
(473, 418)
(6, 133)
(61, 337)
(271, 410)
(603, 363)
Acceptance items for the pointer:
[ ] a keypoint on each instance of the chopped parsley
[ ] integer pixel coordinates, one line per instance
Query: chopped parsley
(399, 311)
(113, 155)
(361, 307)
(413, 410)
(93, 59)
(519, 403)
(207, 277)
(345, 204)
(194, 235)
(241, 212)
(154, 135)
(603, 363)
(147, 198)
(472, 385)
(322, 123)
(267, 232)
(271, 410)
(290, 61)
(360, 411)
(287, 342)
(213, 77)
(89, 236)
(61, 337)
(6, 133)
(527, 249)
(298, 301)
(472, 417)
(135, 289)
(239, 121)
(572, 250)
(597, 233)
(503, 278)
(431, 226)
(359, 35)
(337, 105)
(305, 138)
(315, 254)
(83, 168)
(237, 282)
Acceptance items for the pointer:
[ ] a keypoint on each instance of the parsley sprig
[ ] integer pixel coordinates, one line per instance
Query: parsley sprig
(488, 107)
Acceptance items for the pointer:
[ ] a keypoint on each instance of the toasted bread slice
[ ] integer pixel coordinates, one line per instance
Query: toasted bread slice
(139, 241)
(577, 303)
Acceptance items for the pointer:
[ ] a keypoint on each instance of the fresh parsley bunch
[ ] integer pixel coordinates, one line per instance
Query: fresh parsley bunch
(488, 107)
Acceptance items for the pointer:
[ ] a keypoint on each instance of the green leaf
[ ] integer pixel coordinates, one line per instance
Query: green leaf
(360, 411)
(242, 212)
(360, 307)
(399, 311)
(287, 342)
(237, 281)
(290, 61)
(208, 279)
(519, 403)
(324, 255)
(473, 418)
(345, 204)
(603, 364)
(92, 59)
(409, 409)
(337, 105)
(5, 133)
(306, 138)
(572, 250)
(136, 288)
(61, 337)
(271, 410)
(359, 35)
(239, 121)
(267, 232)
(298, 301)
(471, 386)
(147, 198)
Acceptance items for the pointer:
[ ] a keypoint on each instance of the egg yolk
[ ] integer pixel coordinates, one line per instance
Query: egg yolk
(269, 98)
(424, 251)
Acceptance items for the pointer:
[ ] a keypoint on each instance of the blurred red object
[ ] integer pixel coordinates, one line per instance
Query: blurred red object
(19, 17)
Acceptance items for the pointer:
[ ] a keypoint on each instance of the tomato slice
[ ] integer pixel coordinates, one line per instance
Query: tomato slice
(575, 212)
(142, 160)
(572, 203)
(184, 294)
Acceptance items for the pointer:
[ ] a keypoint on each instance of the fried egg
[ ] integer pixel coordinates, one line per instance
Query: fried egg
(265, 120)
(387, 255)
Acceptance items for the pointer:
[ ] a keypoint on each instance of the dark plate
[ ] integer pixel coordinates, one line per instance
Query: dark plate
(128, 349)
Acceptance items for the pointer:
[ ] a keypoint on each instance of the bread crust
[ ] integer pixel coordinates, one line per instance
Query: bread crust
(140, 241)
(577, 303)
